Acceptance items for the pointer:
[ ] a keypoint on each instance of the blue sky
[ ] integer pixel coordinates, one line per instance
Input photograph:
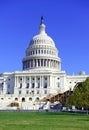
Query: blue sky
(67, 22)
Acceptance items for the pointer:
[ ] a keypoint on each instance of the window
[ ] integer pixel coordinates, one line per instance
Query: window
(33, 85)
(37, 99)
(44, 51)
(38, 85)
(38, 78)
(45, 91)
(32, 92)
(36, 51)
(37, 91)
(16, 99)
(19, 92)
(30, 99)
(20, 85)
(45, 78)
(39, 51)
(27, 92)
(32, 78)
(20, 79)
(45, 85)
(58, 78)
(27, 86)
(27, 78)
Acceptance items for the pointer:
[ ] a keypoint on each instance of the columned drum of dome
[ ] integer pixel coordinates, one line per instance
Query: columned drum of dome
(41, 52)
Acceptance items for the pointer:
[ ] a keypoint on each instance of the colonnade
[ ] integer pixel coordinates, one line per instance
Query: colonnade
(32, 63)
(24, 80)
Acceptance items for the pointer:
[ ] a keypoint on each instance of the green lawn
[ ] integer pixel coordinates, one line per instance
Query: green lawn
(43, 121)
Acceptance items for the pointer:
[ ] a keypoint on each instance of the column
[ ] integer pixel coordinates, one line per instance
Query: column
(54, 63)
(46, 62)
(36, 63)
(42, 82)
(40, 62)
(15, 81)
(33, 63)
(50, 64)
(35, 82)
(16, 87)
(29, 81)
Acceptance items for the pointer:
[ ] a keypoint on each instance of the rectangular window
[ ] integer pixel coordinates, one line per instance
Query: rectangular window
(20, 85)
(27, 92)
(45, 91)
(38, 85)
(33, 85)
(45, 78)
(32, 92)
(45, 85)
(19, 92)
(37, 91)
(38, 78)
(27, 79)
(27, 86)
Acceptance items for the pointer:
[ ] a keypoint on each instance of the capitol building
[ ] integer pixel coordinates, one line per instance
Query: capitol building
(41, 75)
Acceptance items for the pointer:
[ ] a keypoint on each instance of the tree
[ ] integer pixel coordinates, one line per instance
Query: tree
(80, 95)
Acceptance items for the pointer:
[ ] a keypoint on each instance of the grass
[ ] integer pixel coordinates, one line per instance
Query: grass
(43, 121)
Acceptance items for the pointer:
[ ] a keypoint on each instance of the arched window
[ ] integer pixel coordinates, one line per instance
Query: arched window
(37, 99)
(23, 99)
(16, 99)
(30, 99)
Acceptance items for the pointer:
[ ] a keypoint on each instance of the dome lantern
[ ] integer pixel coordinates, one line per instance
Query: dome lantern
(42, 26)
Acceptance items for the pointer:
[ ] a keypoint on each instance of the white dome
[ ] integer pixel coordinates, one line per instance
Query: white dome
(41, 52)
(42, 38)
